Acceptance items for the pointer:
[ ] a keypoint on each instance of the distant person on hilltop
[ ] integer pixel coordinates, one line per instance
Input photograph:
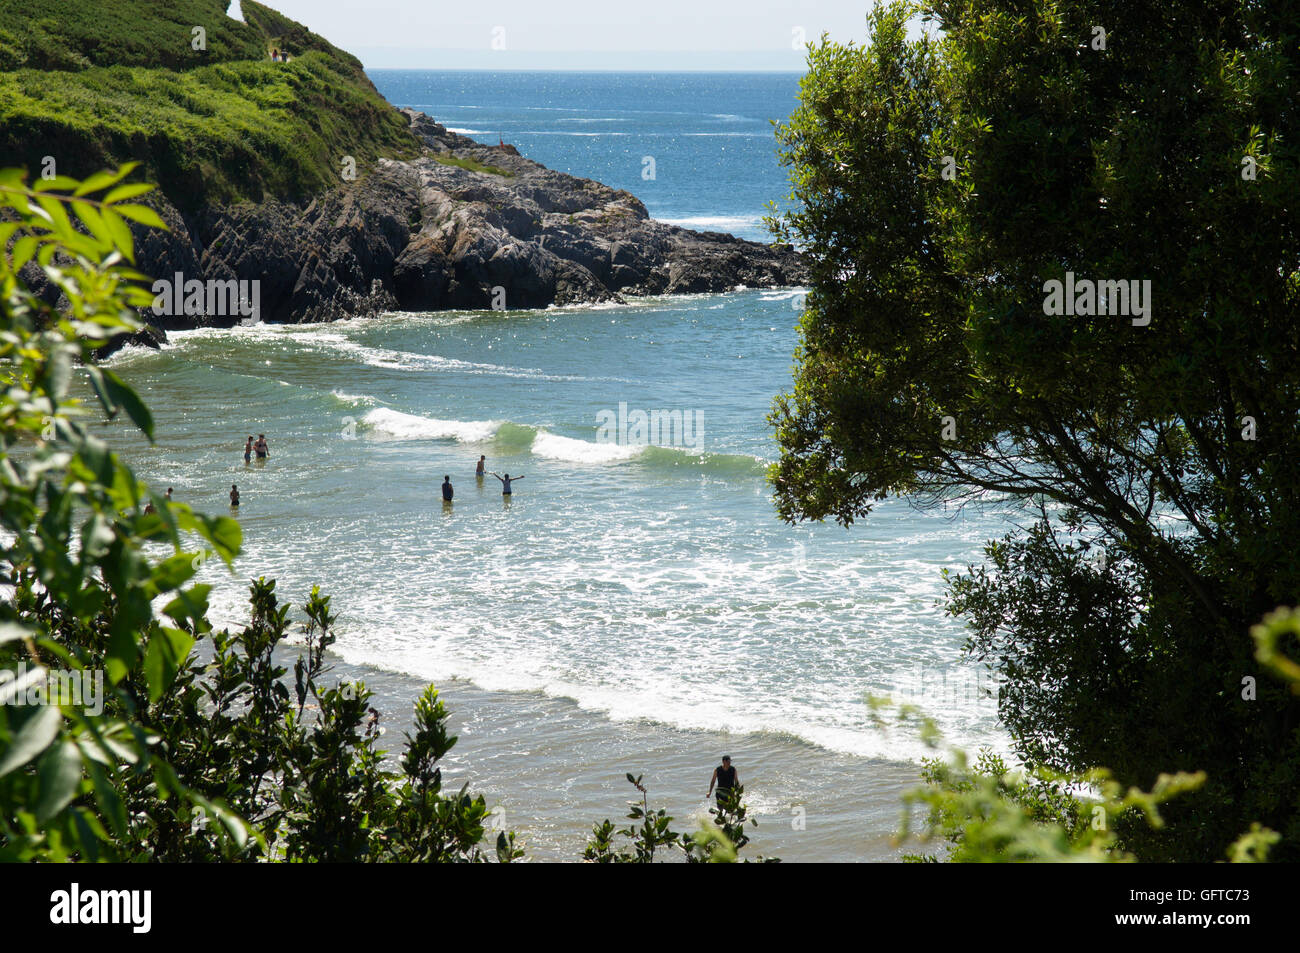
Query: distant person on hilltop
(447, 491)
(506, 481)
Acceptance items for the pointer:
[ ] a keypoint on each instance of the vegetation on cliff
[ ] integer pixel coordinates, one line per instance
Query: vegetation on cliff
(94, 83)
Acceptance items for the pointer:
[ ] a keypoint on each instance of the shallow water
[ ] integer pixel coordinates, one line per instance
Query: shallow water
(631, 607)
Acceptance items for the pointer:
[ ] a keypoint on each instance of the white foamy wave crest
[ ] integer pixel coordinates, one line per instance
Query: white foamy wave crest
(715, 222)
(412, 361)
(411, 427)
(782, 294)
(356, 399)
(554, 447)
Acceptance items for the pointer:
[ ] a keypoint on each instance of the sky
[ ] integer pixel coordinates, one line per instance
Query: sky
(580, 34)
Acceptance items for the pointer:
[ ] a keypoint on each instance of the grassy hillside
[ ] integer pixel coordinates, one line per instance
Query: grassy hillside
(97, 82)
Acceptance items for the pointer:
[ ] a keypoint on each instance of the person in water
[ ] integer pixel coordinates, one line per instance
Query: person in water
(482, 466)
(234, 495)
(248, 450)
(446, 489)
(724, 776)
(261, 448)
(168, 494)
(506, 481)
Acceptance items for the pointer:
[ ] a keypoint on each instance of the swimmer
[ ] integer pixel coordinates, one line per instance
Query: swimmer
(447, 491)
(248, 450)
(260, 448)
(506, 481)
(481, 468)
(234, 496)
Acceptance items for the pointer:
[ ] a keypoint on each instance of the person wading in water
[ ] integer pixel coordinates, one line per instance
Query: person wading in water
(724, 776)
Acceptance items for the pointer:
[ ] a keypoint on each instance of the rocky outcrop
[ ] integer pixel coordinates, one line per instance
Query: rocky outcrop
(464, 226)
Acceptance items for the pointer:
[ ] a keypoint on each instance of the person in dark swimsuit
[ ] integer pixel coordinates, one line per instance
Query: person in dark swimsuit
(234, 495)
(725, 777)
(446, 489)
(260, 448)
(482, 466)
(248, 450)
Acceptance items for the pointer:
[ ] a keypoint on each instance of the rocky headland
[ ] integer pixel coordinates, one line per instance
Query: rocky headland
(463, 226)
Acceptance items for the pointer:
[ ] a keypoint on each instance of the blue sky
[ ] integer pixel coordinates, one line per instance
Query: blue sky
(580, 34)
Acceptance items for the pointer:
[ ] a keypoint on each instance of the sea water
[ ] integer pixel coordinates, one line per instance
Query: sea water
(630, 607)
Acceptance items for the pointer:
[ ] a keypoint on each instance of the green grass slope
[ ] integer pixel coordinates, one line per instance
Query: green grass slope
(93, 83)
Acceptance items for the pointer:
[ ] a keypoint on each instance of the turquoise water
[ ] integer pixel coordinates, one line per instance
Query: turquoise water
(647, 582)
(630, 607)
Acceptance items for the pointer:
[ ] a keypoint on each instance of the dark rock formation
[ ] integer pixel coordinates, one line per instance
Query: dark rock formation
(464, 226)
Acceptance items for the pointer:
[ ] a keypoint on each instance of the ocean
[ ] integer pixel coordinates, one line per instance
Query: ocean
(631, 607)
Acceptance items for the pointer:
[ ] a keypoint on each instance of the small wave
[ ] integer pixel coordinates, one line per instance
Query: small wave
(355, 400)
(715, 221)
(554, 447)
(559, 132)
(518, 437)
(412, 427)
(737, 463)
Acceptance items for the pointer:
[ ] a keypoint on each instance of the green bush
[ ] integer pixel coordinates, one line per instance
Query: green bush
(172, 759)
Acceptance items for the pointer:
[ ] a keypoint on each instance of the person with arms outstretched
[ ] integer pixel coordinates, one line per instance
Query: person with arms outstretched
(506, 481)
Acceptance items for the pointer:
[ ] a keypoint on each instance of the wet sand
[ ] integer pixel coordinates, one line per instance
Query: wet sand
(551, 771)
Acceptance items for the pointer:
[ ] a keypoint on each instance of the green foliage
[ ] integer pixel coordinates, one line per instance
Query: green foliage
(988, 814)
(158, 755)
(472, 164)
(218, 128)
(718, 840)
(926, 303)
(77, 34)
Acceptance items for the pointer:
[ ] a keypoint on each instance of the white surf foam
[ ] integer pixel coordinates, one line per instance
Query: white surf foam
(715, 222)
(412, 427)
(567, 449)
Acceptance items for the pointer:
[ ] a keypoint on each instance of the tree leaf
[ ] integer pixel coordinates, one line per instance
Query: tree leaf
(124, 396)
(36, 734)
(142, 214)
(130, 191)
(59, 777)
